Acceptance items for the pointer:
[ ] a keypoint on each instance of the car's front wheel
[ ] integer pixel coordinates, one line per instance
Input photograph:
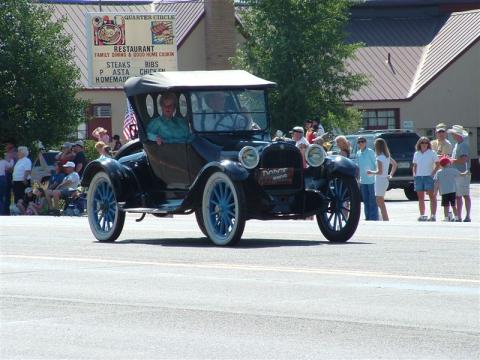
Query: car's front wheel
(104, 216)
(223, 209)
(340, 220)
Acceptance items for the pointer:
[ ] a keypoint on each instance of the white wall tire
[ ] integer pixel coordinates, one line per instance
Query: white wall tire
(223, 209)
(105, 218)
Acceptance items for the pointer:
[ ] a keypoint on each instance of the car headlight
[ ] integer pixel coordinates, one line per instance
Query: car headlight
(315, 155)
(249, 157)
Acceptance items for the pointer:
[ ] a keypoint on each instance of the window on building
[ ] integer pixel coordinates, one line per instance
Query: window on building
(102, 111)
(380, 119)
(98, 115)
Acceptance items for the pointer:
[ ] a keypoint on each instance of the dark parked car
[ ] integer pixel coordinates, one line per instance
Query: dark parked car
(227, 172)
(402, 147)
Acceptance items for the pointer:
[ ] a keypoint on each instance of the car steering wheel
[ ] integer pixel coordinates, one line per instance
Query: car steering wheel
(239, 122)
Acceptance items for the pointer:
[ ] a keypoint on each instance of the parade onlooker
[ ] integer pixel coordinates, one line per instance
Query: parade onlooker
(21, 173)
(461, 161)
(366, 161)
(80, 160)
(24, 203)
(101, 134)
(381, 174)
(40, 205)
(309, 131)
(343, 145)
(5, 166)
(10, 155)
(66, 154)
(103, 149)
(66, 187)
(441, 145)
(116, 143)
(57, 176)
(446, 178)
(300, 142)
(425, 165)
(319, 128)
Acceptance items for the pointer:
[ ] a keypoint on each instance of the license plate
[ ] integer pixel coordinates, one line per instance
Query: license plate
(403, 165)
(276, 176)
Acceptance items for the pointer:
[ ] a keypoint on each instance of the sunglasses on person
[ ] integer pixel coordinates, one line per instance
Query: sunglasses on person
(361, 141)
(424, 143)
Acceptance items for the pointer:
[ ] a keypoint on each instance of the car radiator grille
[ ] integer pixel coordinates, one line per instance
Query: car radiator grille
(282, 155)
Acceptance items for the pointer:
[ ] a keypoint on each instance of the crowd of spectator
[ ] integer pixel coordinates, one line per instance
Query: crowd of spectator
(63, 184)
(438, 166)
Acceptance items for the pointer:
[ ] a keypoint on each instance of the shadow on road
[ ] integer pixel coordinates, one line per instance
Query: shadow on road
(242, 244)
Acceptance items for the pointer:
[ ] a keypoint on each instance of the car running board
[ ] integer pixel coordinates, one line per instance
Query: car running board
(167, 207)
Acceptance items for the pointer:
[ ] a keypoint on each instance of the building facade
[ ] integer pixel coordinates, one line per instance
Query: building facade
(422, 61)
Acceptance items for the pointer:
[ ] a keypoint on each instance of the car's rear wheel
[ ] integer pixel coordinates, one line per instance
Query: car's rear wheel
(410, 193)
(339, 222)
(223, 209)
(104, 216)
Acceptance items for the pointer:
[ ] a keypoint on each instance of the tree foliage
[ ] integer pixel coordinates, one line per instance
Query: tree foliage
(300, 44)
(38, 77)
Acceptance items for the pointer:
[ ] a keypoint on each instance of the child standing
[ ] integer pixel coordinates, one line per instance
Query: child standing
(381, 174)
(446, 181)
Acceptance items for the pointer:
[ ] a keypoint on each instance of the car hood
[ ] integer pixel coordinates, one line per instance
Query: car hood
(217, 148)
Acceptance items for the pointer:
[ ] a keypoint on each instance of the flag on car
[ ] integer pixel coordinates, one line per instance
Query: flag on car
(130, 130)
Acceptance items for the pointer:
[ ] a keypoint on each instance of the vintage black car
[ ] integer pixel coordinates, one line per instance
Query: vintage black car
(227, 169)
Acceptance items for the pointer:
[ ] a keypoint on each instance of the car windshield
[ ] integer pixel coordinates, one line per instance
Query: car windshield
(229, 110)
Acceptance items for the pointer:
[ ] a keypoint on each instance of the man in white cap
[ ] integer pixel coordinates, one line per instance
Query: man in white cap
(461, 161)
(300, 141)
(67, 187)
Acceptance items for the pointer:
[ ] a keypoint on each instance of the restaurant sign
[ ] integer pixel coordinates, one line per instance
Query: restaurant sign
(122, 45)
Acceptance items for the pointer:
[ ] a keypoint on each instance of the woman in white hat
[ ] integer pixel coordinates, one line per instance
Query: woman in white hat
(461, 161)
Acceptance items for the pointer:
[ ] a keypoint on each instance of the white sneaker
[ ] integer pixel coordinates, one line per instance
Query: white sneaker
(422, 218)
(432, 218)
(446, 219)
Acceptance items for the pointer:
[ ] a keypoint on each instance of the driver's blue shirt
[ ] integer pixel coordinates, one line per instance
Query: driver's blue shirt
(174, 130)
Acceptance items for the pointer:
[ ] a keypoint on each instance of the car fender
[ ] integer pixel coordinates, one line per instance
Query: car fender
(339, 165)
(233, 169)
(120, 176)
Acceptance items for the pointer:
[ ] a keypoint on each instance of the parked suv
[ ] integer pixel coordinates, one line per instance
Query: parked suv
(402, 147)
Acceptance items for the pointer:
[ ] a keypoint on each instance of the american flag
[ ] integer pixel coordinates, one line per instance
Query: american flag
(130, 130)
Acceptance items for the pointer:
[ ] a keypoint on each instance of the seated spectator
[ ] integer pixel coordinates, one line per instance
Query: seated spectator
(101, 134)
(66, 153)
(57, 176)
(40, 205)
(23, 204)
(80, 160)
(67, 187)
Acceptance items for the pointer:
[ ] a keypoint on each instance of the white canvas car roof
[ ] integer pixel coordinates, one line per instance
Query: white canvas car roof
(178, 80)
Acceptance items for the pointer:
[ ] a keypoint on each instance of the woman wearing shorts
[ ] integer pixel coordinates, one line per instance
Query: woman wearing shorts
(381, 174)
(425, 165)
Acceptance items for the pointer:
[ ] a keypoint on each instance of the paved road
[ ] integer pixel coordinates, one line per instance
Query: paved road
(397, 290)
